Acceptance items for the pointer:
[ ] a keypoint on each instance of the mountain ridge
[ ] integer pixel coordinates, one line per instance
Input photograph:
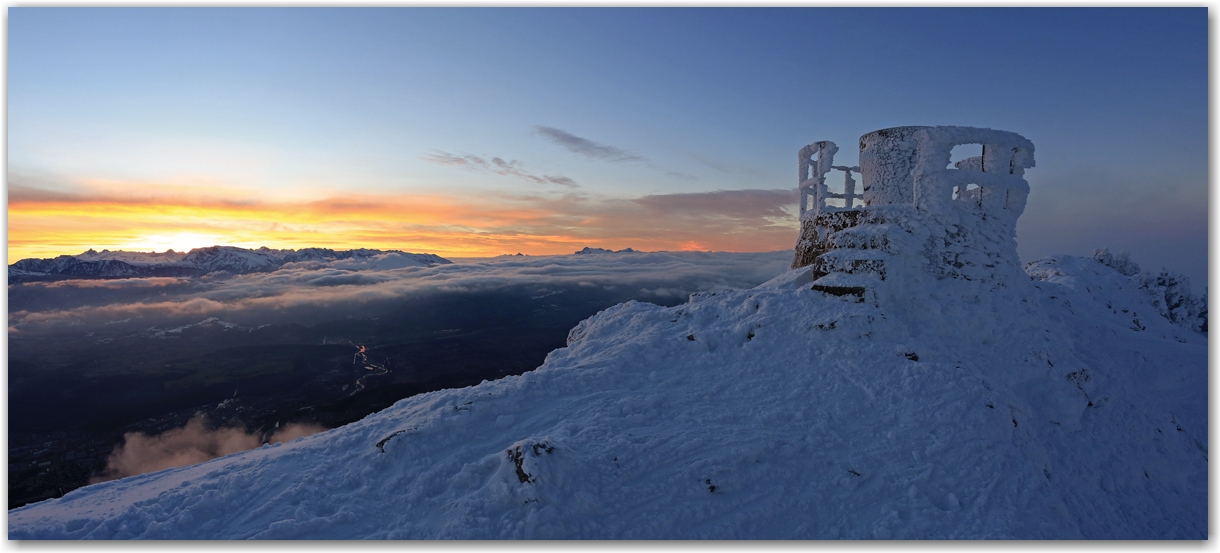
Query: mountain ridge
(197, 262)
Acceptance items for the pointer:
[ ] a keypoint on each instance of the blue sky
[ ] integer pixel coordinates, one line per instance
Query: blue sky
(589, 107)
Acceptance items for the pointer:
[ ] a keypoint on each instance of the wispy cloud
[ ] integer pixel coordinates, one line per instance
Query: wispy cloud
(120, 284)
(584, 146)
(26, 188)
(743, 204)
(498, 166)
(604, 152)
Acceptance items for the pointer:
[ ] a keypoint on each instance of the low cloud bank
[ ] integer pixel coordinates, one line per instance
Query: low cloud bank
(189, 445)
(312, 292)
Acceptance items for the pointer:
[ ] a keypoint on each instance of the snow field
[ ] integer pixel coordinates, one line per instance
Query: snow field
(961, 411)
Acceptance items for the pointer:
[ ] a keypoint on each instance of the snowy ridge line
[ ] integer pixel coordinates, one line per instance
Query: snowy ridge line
(201, 261)
(778, 412)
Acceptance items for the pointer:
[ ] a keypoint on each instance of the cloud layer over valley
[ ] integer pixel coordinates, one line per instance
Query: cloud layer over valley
(311, 292)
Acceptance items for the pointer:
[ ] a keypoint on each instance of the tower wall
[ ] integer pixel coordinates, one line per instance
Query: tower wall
(888, 158)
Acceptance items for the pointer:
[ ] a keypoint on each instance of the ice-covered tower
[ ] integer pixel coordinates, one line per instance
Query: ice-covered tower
(919, 217)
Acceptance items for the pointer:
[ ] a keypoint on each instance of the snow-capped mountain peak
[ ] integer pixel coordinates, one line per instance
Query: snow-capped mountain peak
(200, 261)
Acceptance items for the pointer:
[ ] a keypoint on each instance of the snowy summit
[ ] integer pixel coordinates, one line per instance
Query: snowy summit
(907, 378)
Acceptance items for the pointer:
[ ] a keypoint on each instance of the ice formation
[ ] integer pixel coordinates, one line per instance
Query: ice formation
(960, 220)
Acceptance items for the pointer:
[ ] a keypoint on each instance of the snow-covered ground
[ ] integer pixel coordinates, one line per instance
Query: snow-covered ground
(1062, 406)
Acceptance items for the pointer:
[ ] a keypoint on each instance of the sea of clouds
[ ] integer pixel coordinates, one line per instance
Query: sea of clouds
(312, 292)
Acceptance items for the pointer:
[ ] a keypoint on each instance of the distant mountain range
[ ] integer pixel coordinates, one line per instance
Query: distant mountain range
(197, 262)
(589, 250)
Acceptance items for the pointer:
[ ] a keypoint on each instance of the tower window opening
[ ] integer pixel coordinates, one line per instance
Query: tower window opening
(966, 152)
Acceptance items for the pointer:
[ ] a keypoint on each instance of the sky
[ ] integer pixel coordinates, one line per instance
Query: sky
(478, 132)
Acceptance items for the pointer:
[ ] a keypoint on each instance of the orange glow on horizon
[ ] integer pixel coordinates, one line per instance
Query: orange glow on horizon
(47, 226)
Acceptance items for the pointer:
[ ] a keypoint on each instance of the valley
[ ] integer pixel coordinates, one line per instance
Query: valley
(72, 399)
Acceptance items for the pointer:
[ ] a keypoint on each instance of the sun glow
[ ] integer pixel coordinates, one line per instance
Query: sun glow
(179, 242)
(45, 225)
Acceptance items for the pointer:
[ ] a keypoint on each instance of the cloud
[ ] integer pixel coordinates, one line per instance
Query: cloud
(180, 306)
(121, 284)
(498, 166)
(604, 152)
(584, 146)
(43, 189)
(745, 204)
(561, 180)
(734, 220)
(311, 293)
(192, 444)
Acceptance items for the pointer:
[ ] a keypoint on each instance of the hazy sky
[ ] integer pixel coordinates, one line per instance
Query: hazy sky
(488, 131)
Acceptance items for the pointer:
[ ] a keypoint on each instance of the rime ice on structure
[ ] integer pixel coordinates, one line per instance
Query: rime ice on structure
(920, 217)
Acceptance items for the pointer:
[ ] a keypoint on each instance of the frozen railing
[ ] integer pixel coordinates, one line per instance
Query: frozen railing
(816, 160)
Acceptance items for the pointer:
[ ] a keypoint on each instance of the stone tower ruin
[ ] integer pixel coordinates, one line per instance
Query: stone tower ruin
(915, 216)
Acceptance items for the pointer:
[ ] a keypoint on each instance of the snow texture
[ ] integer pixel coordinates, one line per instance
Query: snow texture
(1058, 406)
(1171, 293)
